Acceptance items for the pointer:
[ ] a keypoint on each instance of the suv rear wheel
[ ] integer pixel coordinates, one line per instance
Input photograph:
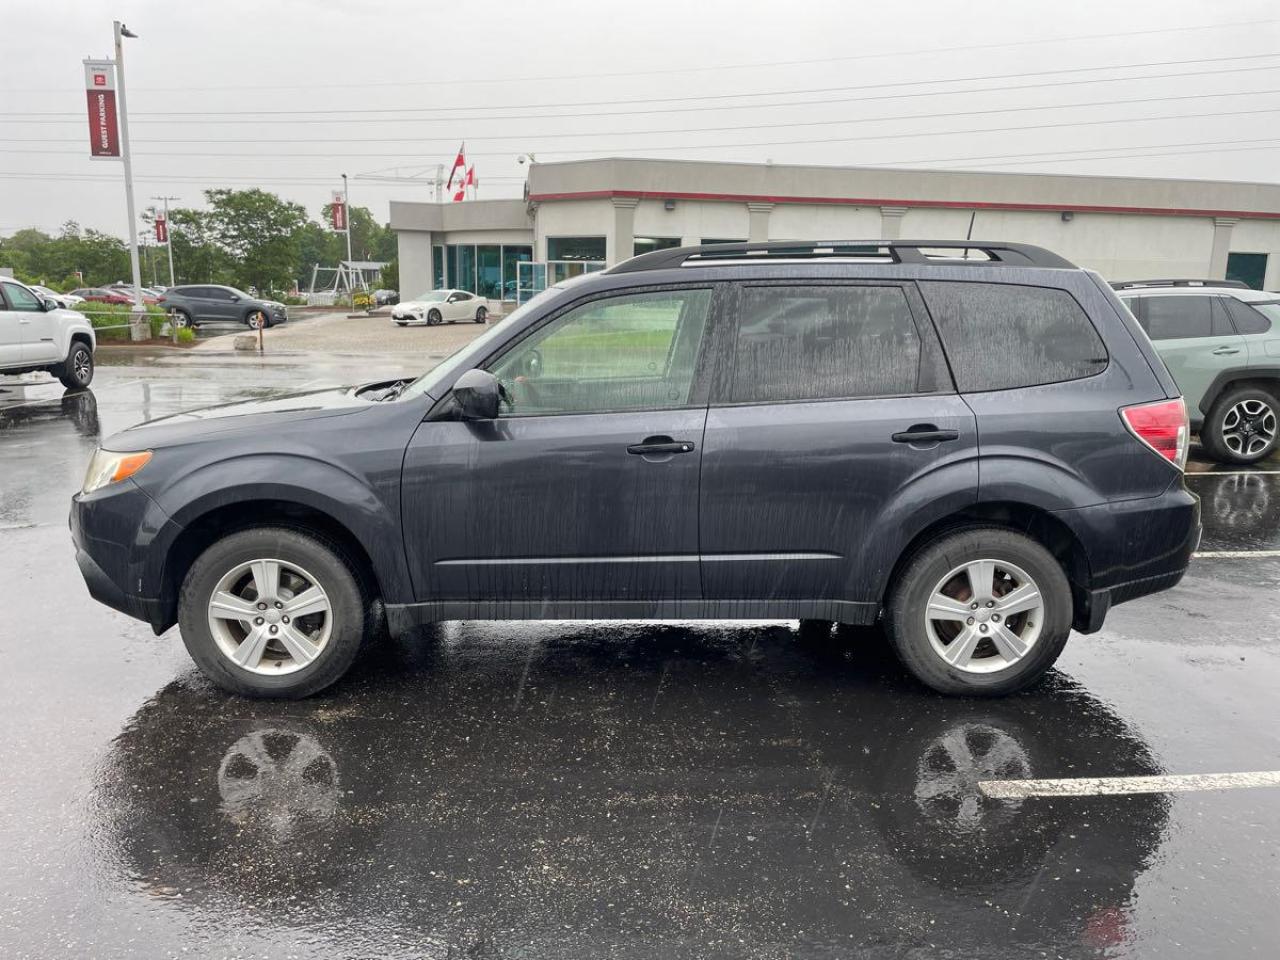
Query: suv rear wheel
(1242, 426)
(981, 612)
(272, 612)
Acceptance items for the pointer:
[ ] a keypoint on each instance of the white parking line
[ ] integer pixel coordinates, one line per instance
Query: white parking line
(1224, 554)
(1233, 473)
(1100, 786)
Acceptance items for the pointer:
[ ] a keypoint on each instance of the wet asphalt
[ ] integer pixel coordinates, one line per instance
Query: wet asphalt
(508, 790)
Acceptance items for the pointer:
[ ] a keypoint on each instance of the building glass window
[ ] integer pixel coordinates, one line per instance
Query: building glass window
(512, 255)
(1249, 268)
(649, 244)
(451, 266)
(575, 248)
(489, 272)
(437, 267)
(464, 278)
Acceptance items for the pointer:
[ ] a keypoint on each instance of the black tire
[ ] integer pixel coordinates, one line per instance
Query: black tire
(482, 315)
(905, 620)
(76, 372)
(433, 317)
(180, 318)
(1218, 438)
(257, 319)
(325, 561)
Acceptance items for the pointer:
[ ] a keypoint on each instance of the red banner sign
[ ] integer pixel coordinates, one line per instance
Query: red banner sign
(162, 230)
(339, 211)
(100, 89)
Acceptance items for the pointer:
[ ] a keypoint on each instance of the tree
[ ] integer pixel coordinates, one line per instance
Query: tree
(197, 257)
(260, 232)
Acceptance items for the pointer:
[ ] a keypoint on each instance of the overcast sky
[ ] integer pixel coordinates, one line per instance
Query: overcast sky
(289, 94)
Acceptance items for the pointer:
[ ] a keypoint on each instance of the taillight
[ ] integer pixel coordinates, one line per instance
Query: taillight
(1162, 426)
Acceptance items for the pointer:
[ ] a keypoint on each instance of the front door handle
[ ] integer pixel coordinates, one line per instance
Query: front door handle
(660, 446)
(924, 433)
(1225, 351)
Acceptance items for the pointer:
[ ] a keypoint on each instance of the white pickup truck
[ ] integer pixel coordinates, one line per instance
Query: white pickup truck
(37, 334)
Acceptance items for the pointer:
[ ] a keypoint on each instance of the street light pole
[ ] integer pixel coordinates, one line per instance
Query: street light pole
(136, 329)
(168, 237)
(346, 202)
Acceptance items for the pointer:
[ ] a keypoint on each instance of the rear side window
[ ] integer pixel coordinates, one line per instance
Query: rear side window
(1001, 336)
(818, 343)
(1249, 318)
(1182, 318)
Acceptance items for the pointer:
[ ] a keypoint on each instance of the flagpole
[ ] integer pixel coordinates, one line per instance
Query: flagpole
(138, 315)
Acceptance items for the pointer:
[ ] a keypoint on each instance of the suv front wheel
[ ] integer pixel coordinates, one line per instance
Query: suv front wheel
(980, 612)
(272, 612)
(1242, 426)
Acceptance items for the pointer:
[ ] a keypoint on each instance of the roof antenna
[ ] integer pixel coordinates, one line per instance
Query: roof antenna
(969, 233)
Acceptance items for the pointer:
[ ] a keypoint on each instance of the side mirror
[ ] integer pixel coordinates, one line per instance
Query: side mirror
(49, 304)
(235, 297)
(477, 393)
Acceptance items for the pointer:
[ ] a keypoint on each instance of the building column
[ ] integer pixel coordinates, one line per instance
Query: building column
(891, 222)
(1222, 227)
(620, 243)
(758, 228)
(413, 250)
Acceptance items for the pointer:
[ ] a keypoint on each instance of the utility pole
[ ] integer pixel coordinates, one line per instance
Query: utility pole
(138, 327)
(168, 237)
(346, 202)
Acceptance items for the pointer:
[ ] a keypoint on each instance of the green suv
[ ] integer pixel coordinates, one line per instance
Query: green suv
(1221, 341)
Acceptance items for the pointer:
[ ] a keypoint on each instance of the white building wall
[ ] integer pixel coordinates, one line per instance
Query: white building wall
(788, 221)
(692, 220)
(413, 248)
(572, 218)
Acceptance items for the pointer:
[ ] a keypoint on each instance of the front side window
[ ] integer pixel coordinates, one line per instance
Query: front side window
(817, 343)
(1003, 336)
(635, 352)
(20, 298)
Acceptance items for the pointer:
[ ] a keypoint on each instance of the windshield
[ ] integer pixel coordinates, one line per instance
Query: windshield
(450, 363)
(434, 296)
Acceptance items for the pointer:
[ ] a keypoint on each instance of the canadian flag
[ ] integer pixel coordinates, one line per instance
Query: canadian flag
(459, 163)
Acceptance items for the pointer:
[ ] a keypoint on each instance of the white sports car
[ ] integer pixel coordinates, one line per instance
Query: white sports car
(440, 306)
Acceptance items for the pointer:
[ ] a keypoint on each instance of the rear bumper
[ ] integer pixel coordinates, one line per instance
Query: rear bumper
(1134, 548)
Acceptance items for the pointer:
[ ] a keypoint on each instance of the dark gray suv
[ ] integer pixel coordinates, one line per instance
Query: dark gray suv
(973, 443)
(203, 303)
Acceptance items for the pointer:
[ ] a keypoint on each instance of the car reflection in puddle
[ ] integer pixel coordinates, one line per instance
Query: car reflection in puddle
(704, 790)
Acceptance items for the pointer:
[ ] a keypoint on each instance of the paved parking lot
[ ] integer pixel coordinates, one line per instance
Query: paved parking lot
(625, 790)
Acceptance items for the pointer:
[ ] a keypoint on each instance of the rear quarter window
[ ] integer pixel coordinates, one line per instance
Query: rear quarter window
(1002, 336)
(1250, 318)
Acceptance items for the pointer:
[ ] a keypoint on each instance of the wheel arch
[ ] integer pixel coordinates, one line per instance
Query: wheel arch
(81, 336)
(1261, 378)
(219, 521)
(1031, 521)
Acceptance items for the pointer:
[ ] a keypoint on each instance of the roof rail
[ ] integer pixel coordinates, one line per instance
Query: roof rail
(974, 252)
(1190, 282)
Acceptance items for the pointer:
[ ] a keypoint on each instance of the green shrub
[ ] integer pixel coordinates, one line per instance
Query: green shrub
(116, 316)
(186, 335)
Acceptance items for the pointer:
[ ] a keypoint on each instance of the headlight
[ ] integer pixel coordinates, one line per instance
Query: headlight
(108, 467)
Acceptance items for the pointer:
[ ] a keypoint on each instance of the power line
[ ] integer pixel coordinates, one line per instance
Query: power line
(704, 69)
(716, 97)
(699, 129)
(326, 156)
(347, 121)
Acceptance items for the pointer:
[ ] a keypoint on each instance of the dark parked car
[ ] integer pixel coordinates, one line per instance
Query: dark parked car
(982, 452)
(191, 305)
(385, 298)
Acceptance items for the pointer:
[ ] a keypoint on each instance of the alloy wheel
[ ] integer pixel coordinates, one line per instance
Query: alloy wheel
(984, 616)
(1249, 428)
(82, 365)
(270, 617)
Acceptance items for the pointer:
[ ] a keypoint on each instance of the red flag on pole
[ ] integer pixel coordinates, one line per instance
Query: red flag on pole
(162, 230)
(459, 162)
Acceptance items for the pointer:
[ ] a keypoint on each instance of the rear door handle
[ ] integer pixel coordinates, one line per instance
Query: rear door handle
(925, 433)
(660, 446)
(1224, 351)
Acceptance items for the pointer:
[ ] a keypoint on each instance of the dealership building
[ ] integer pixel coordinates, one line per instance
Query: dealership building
(583, 215)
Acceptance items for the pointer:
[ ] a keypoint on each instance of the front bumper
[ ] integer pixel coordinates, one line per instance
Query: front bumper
(1134, 547)
(121, 538)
